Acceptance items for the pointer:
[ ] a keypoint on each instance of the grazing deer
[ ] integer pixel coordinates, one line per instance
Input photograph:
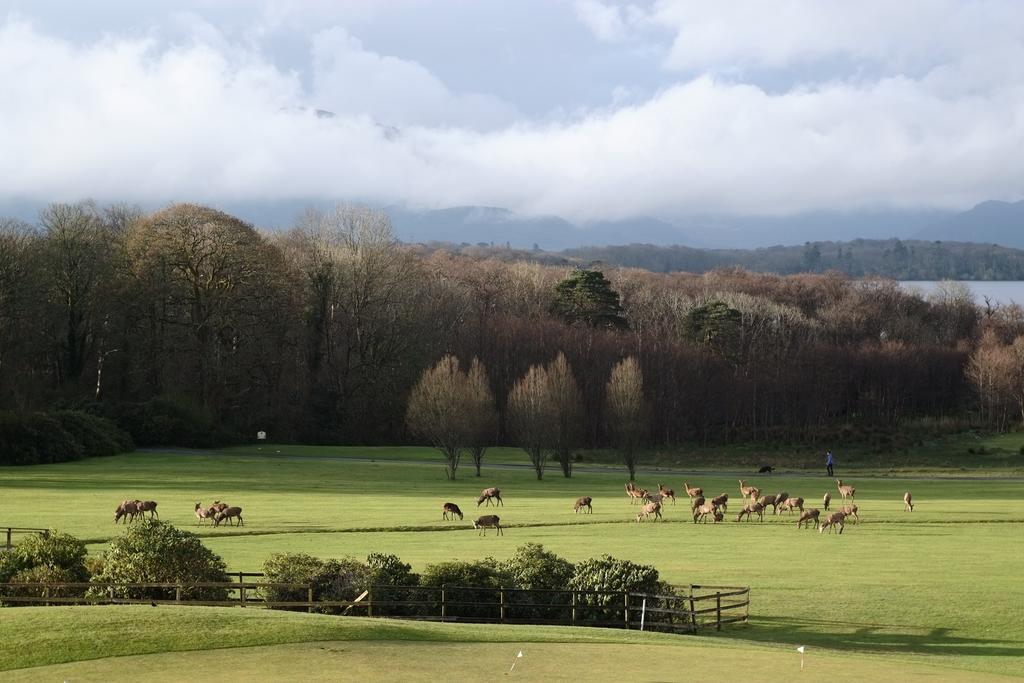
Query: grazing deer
(702, 512)
(807, 516)
(791, 504)
(488, 494)
(844, 490)
(127, 509)
(749, 509)
(583, 502)
(836, 518)
(694, 492)
(908, 502)
(648, 510)
(449, 510)
(229, 514)
(488, 522)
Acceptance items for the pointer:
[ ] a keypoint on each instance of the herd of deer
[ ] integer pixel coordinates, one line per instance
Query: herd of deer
(754, 504)
(218, 512)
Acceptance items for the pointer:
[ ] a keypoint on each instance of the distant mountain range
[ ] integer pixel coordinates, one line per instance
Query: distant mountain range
(990, 222)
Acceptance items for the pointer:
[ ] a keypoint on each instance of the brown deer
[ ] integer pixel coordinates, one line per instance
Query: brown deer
(583, 502)
(807, 516)
(721, 501)
(745, 490)
(488, 522)
(836, 518)
(826, 499)
(908, 502)
(204, 513)
(128, 509)
(449, 510)
(851, 511)
(791, 504)
(635, 493)
(229, 514)
(694, 492)
(488, 494)
(667, 493)
(779, 497)
(147, 506)
(844, 490)
(696, 503)
(648, 510)
(702, 512)
(749, 509)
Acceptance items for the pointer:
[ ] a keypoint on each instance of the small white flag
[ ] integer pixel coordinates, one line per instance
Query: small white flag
(800, 649)
(521, 653)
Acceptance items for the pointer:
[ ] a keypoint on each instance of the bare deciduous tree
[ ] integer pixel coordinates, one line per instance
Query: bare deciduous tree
(567, 404)
(627, 410)
(437, 411)
(481, 413)
(531, 416)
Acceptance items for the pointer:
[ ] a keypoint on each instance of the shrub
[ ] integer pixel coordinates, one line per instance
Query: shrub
(35, 438)
(607, 573)
(98, 436)
(533, 567)
(152, 551)
(393, 581)
(332, 580)
(51, 557)
(461, 601)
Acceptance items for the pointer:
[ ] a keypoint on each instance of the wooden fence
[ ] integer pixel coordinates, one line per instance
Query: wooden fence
(12, 530)
(693, 608)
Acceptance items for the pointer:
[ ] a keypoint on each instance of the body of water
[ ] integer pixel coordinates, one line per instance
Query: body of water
(997, 291)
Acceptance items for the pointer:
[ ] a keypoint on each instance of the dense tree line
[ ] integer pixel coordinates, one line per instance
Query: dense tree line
(320, 333)
(897, 259)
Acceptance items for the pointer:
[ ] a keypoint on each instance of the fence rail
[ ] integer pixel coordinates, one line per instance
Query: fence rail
(12, 530)
(691, 609)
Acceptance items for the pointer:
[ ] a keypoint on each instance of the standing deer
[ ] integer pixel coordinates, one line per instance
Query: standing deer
(826, 499)
(488, 494)
(488, 522)
(746, 491)
(203, 513)
(694, 492)
(807, 516)
(147, 506)
(650, 509)
(908, 502)
(667, 493)
(844, 490)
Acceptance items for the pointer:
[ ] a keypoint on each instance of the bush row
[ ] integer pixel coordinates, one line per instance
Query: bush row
(58, 436)
(166, 421)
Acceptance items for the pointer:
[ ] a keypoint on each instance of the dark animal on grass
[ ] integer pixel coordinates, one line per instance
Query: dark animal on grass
(696, 503)
(766, 469)
(721, 501)
(229, 514)
(488, 495)
(583, 502)
(488, 522)
(449, 510)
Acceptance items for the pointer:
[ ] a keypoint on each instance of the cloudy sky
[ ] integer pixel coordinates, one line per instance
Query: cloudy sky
(587, 109)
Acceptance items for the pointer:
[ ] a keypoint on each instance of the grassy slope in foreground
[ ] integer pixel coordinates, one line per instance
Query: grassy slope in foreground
(940, 585)
(77, 643)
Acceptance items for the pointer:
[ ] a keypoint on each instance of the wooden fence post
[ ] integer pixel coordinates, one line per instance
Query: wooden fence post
(9, 532)
(746, 616)
(501, 602)
(574, 608)
(309, 598)
(369, 601)
(241, 593)
(718, 610)
(444, 607)
(693, 612)
(177, 593)
(625, 610)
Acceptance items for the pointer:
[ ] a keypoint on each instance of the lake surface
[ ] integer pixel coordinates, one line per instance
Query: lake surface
(998, 292)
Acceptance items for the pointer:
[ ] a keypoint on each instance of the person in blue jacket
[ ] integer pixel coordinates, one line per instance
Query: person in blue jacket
(829, 463)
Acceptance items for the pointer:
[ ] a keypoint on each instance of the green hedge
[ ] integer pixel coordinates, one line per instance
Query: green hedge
(167, 422)
(40, 438)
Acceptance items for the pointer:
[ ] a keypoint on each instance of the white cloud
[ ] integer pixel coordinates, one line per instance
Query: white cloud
(136, 119)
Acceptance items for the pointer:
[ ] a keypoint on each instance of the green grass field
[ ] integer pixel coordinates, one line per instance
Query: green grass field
(934, 590)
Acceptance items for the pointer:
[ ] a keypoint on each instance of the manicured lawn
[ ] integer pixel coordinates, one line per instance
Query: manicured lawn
(936, 587)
